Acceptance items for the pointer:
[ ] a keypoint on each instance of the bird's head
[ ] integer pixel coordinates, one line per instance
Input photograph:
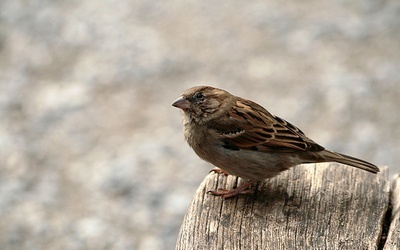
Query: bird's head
(203, 103)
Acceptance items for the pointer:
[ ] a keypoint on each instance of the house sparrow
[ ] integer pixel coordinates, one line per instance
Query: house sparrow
(243, 139)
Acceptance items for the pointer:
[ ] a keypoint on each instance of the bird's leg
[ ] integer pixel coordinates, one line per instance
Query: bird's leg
(218, 171)
(243, 188)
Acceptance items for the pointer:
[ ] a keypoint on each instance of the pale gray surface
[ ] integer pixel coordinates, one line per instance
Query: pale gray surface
(91, 152)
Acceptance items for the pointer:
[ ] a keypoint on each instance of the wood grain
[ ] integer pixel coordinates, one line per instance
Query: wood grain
(313, 206)
(393, 238)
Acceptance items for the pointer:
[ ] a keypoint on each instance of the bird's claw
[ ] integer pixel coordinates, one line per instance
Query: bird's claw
(218, 171)
(244, 188)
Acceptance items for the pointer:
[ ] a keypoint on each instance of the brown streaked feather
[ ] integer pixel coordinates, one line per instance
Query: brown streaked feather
(254, 128)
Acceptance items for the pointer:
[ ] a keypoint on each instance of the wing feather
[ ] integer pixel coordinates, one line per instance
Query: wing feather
(252, 127)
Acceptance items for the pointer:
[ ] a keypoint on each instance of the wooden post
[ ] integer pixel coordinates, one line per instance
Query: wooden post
(313, 206)
(393, 238)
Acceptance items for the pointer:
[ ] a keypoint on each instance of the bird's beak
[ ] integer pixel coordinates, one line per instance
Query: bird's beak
(181, 103)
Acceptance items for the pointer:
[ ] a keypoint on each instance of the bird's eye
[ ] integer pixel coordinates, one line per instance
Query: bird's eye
(199, 95)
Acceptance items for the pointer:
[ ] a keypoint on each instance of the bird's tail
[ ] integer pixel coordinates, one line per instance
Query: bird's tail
(349, 160)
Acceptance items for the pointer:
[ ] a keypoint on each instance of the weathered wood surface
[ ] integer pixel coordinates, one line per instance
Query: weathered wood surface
(313, 206)
(393, 238)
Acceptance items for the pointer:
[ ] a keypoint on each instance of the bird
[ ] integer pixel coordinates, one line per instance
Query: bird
(243, 139)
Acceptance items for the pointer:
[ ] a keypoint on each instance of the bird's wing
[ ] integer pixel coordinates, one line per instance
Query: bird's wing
(249, 126)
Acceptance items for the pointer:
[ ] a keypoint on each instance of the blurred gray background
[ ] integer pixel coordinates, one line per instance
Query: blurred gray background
(92, 153)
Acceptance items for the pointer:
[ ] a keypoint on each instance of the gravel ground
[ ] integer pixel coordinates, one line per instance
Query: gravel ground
(92, 154)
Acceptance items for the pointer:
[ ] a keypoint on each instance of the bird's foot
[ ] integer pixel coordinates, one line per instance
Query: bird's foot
(218, 171)
(244, 188)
